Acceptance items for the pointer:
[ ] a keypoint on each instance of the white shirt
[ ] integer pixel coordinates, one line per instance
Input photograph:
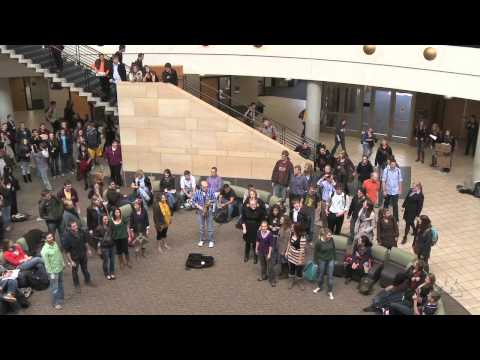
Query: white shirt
(187, 185)
(295, 214)
(116, 75)
(339, 203)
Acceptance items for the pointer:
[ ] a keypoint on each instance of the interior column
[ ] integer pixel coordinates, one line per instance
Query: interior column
(6, 105)
(476, 162)
(314, 106)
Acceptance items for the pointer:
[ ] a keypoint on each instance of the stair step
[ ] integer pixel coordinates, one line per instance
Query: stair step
(35, 53)
(20, 49)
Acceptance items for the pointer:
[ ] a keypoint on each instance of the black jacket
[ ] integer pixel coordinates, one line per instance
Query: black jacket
(302, 218)
(171, 77)
(364, 171)
(168, 184)
(75, 245)
(121, 71)
(93, 220)
(413, 205)
(323, 160)
(421, 134)
(422, 244)
(383, 155)
(355, 207)
(51, 210)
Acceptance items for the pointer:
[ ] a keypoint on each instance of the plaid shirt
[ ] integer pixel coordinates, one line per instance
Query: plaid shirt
(201, 197)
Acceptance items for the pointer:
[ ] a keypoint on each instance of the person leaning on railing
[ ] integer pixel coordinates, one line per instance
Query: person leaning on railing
(100, 67)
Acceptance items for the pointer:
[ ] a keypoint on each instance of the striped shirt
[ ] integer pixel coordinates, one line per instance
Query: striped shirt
(294, 256)
(201, 197)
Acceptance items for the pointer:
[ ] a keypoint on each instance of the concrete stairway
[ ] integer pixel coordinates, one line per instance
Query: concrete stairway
(73, 76)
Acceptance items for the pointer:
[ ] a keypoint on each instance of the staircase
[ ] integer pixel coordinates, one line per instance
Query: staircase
(77, 74)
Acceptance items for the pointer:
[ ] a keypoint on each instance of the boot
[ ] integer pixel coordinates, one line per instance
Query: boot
(25, 178)
(300, 283)
(291, 283)
(29, 177)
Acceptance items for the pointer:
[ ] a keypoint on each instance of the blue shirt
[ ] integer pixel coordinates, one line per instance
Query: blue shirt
(200, 198)
(392, 180)
(327, 190)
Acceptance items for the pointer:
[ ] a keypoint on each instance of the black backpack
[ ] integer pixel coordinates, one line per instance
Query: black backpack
(221, 215)
(38, 280)
(198, 261)
(366, 285)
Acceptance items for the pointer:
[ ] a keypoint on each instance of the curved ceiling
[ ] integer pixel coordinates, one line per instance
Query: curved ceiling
(454, 72)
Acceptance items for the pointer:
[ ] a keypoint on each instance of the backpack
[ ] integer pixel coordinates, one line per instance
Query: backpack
(434, 236)
(310, 272)
(366, 285)
(221, 215)
(198, 261)
(38, 280)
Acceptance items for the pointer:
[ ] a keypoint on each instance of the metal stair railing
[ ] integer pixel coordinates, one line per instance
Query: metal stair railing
(285, 135)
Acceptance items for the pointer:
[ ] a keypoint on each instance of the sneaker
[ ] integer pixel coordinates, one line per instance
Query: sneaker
(330, 295)
(211, 244)
(274, 284)
(112, 277)
(9, 298)
(58, 307)
(182, 207)
(200, 243)
(27, 292)
(109, 277)
(317, 290)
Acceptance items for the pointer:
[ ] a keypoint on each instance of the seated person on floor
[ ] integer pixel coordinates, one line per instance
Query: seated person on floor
(167, 186)
(405, 285)
(114, 197)
(8, 285)
(16, 257)
(427, 307)
(142, 187)
(227, 198)
(420, 295)
(188, 187)
(360, 262)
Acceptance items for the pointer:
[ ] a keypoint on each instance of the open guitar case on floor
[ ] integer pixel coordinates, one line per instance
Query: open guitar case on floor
(199, 261)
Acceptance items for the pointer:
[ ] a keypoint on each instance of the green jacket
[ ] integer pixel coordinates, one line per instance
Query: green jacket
(53, 258)
(323, 250)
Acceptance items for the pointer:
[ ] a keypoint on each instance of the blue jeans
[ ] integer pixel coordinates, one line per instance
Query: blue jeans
(34, 262)
(208, 220)
(108, 261)
(56, 288)
(7, 215)
(44, 176)
(230, 208)
(367, 151)
(171, 199)
(280, 191)
(9, 286)
(323, 267)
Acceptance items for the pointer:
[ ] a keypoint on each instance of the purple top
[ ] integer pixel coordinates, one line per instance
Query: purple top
(265, 242)
(113, 157)
(215, 183)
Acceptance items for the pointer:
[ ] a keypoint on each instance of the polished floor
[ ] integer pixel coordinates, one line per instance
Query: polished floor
(455, 259)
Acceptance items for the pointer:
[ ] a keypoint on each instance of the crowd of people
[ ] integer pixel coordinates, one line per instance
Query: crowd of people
(312, 206)
(112, 71)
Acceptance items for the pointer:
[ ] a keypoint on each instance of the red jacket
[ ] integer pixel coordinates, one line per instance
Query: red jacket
(12, 258)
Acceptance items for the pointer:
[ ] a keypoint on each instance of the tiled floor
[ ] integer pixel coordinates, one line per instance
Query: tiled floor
(456, 258)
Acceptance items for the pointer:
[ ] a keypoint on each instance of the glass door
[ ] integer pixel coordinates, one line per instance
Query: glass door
(402, 116)
(381, 116)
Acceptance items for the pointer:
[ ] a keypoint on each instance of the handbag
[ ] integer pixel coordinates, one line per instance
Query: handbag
(310, 271)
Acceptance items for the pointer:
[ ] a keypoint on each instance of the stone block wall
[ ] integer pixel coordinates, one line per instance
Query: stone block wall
(163, 126)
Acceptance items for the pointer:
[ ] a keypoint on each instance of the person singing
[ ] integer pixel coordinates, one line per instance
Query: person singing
(204, 201)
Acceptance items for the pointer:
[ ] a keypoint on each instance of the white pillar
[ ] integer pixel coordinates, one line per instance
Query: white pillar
(314, 106)
(476, 162)
(6, 105)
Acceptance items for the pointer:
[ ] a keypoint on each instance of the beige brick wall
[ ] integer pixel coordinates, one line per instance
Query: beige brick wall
(163, 126)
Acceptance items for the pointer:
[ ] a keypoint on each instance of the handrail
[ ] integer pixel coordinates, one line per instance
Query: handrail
(285, 136)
